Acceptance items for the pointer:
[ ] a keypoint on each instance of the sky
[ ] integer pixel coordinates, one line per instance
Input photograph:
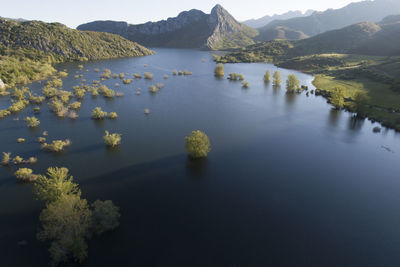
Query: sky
(74, 12)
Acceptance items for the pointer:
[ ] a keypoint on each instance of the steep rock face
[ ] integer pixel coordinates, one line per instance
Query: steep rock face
(190, 29)
(261, 22)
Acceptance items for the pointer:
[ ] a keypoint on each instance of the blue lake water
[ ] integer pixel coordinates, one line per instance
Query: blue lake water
(289, 180)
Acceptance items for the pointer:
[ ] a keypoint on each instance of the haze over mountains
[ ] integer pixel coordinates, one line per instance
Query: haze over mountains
(258, 23)
(319, 22)
(190, 29)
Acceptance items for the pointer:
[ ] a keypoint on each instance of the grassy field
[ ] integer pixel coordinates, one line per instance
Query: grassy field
(383, 103)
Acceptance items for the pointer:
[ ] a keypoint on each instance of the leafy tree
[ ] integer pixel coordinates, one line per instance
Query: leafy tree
(219, 70)
(267, 76)
(55, 184)
(292, 83)
(197, 144)
(337, 97)
(277, 78)
(6, 159)
(66, 223)
(32, 122)
(359, 104)
(105, 216)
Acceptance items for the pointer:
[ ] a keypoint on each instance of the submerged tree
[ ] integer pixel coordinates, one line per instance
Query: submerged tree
(197, 144)
(66, 223)
(219, 70)
(277, 78)
(292, 83)
(267, 76)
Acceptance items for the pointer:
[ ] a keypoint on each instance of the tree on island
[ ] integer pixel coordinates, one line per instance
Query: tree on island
(277, 78)
(197, 144)
(292, 83)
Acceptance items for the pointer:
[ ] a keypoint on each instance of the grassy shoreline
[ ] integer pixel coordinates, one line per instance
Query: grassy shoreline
(377, 77)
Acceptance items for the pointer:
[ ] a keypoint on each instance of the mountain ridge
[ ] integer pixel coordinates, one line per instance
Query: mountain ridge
(190, 29)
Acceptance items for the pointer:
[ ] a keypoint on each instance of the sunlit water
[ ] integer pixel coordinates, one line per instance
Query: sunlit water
(289, 181)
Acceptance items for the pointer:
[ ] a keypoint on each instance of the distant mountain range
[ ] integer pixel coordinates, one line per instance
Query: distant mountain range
(190, 29)
(261, 22)
(331, 19)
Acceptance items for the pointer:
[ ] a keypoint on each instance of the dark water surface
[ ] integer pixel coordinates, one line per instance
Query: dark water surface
(289, 181)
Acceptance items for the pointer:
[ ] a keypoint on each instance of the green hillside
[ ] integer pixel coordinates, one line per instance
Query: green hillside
(27, 49)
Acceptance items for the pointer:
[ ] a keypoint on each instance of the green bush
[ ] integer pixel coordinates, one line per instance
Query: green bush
(112, 140)
(197, 144)
(236, 77)
(112, 115)
(6, 159)
(98, 114)
(25, 175)
(32, 122)
(148, 76)
(56, 145)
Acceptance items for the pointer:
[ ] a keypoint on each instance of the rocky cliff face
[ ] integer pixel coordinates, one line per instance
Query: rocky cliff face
(191, 29)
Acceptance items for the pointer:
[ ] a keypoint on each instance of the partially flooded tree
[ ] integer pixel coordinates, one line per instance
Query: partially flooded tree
(277, 78)
(197, 144)
(219, 70)
(292, 83)
(337, 97)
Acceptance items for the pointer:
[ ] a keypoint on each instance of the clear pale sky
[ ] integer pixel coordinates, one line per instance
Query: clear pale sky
(74, 12)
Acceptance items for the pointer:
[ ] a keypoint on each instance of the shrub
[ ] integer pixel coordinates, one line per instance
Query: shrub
(18, 106)
(105, 216)
(18, 160)
(236, 77)
(267, 76)
(56, 145)
(174, 73)
(73, 115)
(148, 75)
(147, 111)
(106, 92)
(6, 159)
(112, 140)
(165, 76)
(126, 81)
(32, 122)
(115, 76)
(36, 109)
(31, 160)
(245, 84)
(187, 73)
(75, 105)
(153, 89)
(219, 70)
(36, 99)
(159, 85)
(116, 84)
(21, 140)
(80, 66)
(80, 93)
(197, 144)
(4, 113)
(96, 70)
(180, 73)
(41, 140)
(25, 175)
(137, 76)
(112, 115)
(292, 83)
(106, 74)
(119, 94)
(98, 114)
(63, 74)
(50, 92)
(121, 75)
